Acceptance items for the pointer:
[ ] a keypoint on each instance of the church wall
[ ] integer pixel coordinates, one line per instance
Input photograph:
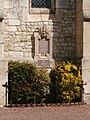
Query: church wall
(19, 26)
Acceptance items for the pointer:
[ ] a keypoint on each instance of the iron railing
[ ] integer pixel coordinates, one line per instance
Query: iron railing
(37, 95)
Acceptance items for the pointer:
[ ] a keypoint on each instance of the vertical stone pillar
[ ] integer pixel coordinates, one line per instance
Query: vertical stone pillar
(3, 63)
(3, 69)
(86, 50)
(3, 80)
(79, 28)
(57, 4)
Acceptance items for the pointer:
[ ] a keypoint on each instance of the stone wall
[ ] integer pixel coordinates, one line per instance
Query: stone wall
(64, 40)
(19, 26)
(86, 50)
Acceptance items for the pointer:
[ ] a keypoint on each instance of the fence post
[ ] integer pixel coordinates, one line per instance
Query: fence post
(6, 91)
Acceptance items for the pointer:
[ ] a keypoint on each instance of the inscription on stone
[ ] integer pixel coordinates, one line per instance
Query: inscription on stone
(44, 63)
(43, 46)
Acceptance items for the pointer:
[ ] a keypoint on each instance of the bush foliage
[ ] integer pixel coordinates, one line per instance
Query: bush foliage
(27, 82)
(66, 77)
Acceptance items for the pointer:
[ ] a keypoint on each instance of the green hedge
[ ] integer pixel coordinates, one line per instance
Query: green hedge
(27, 83)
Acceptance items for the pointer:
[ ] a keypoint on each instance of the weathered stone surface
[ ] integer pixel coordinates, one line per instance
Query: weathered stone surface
(86, 8)
(27, 54)
(87, 98)
(3, 79)
(8, 4)
(23, 3)
(1, 9)
(14, 22)
(12, 15)
(1, 38)
(86, 78)
(16, 54)
(86, 49)
(11, 29)
(1, 50)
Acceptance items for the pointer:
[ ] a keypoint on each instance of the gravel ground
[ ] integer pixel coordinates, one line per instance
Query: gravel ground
(76, 112)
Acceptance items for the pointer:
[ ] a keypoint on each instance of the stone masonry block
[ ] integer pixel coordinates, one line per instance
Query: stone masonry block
(23, 3)
(14, 22)
(12, 15)
(11, 28)
(1, 50)
(16, 54)
(8, 4)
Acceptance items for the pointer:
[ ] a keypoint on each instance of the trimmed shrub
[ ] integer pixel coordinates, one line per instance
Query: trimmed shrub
(27, 83)
(66, 81)
(42, 82)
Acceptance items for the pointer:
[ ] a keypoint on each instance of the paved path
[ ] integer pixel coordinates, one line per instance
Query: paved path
(78, 112)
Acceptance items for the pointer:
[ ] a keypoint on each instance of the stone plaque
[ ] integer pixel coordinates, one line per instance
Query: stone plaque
(43, 46)
(44, 63)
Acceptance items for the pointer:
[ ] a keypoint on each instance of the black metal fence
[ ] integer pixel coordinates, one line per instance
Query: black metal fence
(37, 95)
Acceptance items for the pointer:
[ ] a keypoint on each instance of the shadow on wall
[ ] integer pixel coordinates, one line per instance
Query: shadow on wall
(64, 30)
(33, 46)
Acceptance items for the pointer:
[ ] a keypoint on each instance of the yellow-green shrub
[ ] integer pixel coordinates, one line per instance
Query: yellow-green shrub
(66, 78)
